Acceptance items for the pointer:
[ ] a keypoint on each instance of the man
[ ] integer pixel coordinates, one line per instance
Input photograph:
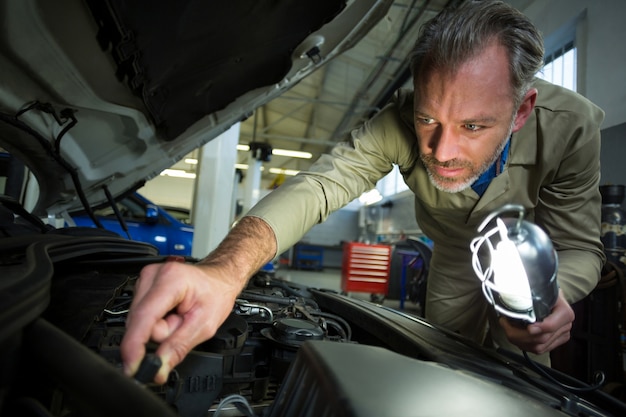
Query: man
(478, 132)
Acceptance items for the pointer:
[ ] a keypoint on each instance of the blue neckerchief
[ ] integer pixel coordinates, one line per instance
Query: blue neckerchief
(481, 184)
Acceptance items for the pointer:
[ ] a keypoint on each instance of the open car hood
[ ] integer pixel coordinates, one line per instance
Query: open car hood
(103, 95)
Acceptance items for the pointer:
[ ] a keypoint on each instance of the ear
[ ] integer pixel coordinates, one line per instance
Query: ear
(525, 109)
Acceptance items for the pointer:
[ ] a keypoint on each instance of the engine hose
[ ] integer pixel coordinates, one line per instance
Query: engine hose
(346, 326)
(275, 299)
(294, 292)
(245, 295)
(290, 290)
(335, 325)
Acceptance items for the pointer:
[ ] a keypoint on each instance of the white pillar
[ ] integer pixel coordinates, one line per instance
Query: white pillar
(213, 193)
(259, 153)
(253, 182)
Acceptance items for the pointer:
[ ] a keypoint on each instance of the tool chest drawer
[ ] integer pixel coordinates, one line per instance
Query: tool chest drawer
(365, 268)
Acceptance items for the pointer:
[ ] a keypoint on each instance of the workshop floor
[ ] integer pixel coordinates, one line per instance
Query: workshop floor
(330, 279)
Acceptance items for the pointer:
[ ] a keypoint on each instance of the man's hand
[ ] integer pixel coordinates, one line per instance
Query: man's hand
(180, 305)
(542, 337)
(177, 306)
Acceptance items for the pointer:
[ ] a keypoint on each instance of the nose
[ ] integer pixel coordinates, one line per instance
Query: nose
(444, 144)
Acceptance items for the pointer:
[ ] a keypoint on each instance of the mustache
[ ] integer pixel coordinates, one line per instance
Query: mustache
(430, 160)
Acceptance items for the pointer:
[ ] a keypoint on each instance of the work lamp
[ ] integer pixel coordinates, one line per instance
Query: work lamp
(517, 264)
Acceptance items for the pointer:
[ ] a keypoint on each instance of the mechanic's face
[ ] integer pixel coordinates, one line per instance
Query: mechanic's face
(463, 120)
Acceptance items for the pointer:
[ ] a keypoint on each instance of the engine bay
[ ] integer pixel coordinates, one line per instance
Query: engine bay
(285, 350)
(249, 356)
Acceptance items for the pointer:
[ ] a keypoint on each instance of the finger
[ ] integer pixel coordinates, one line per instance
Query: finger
(558, 341)
(557, 338)
(539, 340)
(165, 327)
(552, 343)
(133, 345)
(143, 316)
(558, 323)
(188, 332)
(199, 322)
(132, 354)
(525, 337)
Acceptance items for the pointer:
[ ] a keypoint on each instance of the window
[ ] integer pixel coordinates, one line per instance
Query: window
(392, 183)
(129, 209)
(560, 67)
(562, 53)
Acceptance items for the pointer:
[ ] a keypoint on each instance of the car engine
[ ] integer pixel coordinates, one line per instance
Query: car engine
(249, 356)
(73, 348)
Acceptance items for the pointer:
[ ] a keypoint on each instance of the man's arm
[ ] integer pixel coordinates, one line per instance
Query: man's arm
(180, 305)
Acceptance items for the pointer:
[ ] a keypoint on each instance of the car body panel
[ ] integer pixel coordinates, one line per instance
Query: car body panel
(169, 235)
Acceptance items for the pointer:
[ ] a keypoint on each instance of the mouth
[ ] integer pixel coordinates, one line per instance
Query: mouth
(447, 173)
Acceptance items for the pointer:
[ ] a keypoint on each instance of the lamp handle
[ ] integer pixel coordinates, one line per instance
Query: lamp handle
(505, 209)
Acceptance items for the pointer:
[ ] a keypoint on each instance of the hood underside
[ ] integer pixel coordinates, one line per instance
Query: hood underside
(107, 94)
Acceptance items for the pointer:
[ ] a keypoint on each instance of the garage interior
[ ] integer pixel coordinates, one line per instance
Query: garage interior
(287, 134)
(322, 109)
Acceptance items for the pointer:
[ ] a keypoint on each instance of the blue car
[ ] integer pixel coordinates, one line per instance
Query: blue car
(146, 222)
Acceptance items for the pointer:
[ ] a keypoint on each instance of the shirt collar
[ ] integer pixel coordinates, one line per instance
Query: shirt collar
(481, 184)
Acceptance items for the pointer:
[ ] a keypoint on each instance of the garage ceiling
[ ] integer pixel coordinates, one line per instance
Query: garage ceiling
(323, 108)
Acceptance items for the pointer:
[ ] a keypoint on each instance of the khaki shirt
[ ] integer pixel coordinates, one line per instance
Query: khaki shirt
(553, 170)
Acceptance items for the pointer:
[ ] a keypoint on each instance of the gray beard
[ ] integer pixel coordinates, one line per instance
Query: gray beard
(458, 187)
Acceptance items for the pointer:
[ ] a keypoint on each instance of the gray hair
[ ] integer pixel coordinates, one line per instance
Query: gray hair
(460, 33)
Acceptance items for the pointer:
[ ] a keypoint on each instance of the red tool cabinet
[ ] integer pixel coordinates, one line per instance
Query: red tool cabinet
(365, 268)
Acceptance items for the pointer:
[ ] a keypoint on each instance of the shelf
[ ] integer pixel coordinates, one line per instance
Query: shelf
(308, 257)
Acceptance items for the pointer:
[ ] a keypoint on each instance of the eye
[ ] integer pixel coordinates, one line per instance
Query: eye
(472, 127)
(425, 120)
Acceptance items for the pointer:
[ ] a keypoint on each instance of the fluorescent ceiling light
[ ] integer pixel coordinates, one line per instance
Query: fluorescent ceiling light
(245, 166)
(283, 171)
(179, 173)
(191, 161)
(292, 154)
(272, 170)
(281, 152)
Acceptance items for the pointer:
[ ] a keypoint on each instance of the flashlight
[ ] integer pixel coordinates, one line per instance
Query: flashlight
(517, 265)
